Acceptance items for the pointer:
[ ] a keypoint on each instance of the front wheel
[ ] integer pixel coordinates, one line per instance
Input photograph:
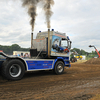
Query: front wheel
(13, 69)
(59, 67)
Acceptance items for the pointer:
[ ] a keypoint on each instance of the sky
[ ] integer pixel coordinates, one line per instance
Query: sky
(79, 19)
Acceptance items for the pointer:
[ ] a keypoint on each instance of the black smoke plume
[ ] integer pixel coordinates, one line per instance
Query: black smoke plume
(31, 5)
(48, 12)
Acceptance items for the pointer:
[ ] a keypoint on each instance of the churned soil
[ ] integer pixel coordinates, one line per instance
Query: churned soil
(80, 82)
(93, 61)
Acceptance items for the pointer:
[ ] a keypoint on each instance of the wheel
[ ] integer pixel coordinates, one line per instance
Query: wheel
(59, 67)
(13, 69)
(73, 59)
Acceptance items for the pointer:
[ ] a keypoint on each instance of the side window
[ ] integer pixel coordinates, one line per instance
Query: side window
(64, 43)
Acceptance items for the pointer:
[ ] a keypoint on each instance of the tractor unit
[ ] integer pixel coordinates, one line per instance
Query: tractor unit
(49, 51)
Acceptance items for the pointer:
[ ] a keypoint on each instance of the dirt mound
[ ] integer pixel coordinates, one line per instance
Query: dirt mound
(93, 61)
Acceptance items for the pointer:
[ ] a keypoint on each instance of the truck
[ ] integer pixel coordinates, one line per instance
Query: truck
(49, 51)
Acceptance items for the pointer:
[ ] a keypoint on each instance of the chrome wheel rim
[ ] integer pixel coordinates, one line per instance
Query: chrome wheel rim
(15, 70)
(60, 68)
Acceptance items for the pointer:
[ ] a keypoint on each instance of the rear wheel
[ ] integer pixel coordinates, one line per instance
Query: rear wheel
(73, 59)
(13, 69)
(59, 67)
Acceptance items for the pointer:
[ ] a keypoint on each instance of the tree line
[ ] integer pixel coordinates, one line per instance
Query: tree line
(14, 47)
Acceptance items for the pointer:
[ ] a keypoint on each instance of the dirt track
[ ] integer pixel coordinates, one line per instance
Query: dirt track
(80, 82)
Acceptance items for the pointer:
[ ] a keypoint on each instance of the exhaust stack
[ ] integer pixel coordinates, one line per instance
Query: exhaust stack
(31, 40)
(48, 43)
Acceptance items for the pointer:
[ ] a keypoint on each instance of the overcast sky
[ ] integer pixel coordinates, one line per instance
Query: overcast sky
(79, 19)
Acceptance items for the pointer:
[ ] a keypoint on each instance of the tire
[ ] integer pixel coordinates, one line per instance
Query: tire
(73, 59)
(0, 70)
(59, 68)
(13, 69)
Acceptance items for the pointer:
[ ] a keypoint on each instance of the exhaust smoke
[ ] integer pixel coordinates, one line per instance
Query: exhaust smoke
(48, 12)
(31, 5)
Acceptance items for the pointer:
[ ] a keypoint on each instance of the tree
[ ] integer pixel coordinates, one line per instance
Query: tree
(13, 47)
